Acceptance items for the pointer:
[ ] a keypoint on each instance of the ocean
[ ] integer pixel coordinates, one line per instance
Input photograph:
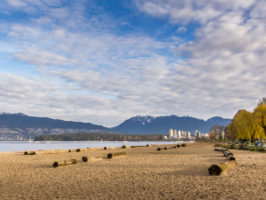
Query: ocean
(8, 146)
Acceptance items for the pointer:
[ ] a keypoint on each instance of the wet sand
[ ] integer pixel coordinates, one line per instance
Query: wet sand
(145, 173)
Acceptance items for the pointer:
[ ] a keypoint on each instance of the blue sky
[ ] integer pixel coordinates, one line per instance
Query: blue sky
(107, 60)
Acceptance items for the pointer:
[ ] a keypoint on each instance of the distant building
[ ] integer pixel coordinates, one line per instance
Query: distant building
(165, 137)
(197, 133)
(178, 134)
(188, 135)
(171, 134)
(183, 133)
(222, 135)
(175, 134)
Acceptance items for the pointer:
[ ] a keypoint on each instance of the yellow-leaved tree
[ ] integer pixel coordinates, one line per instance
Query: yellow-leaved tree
(243, 125)
(230, 132)
(260, 119)
(247, 125)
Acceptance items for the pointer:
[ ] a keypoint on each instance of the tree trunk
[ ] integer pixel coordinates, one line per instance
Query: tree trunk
(227, 153)
(117, 154)
(64, 163)
(29, 153)
(221, 168)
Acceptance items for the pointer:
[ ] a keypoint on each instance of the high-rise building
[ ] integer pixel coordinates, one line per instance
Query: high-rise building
(188, 135)
(171, 133)
(179, 134)
(175, 135)
(197, 133)
(222, 135)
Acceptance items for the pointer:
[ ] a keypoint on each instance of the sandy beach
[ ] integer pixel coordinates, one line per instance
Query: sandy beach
(144, 173)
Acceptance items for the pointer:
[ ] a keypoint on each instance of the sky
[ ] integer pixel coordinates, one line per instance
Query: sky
(103, 61)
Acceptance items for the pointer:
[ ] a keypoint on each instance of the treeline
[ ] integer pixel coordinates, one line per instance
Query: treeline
(98, 137)
(248, 125)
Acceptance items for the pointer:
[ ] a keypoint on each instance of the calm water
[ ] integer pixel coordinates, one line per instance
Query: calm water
(7, 146)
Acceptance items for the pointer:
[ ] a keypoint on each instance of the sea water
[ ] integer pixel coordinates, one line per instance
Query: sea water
(7, 146)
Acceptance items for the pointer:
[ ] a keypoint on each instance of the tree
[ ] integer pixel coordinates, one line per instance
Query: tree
(218, 130)
(244, 125)
(230, 132)
(247, 125)
(260, 118)
(212, 135)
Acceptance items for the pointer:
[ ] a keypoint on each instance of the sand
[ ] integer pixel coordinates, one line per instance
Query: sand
(145, 173)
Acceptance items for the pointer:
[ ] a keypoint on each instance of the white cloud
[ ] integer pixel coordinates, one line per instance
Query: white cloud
(224, 65)
(185, 11)
(86, 72)
(182, 29)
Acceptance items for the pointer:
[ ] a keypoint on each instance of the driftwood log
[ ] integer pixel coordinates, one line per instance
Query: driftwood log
(91, 159)
(78, 150)
(64, 163)
(55, 151)
(137, 146)
(85, 159)
(231, 158)
(29, 153)
(227, 153)
(219, 150)
(219, 169)
(108, 148)
(117, 154)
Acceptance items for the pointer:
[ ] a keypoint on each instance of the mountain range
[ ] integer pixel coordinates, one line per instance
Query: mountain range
(19, 125)
(161, 125)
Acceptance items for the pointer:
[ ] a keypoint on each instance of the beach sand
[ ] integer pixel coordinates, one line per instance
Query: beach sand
(145, 173)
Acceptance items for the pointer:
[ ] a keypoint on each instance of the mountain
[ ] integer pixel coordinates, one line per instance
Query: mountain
(21, 126)
(218, 121)
(161, 125)
(17, 125)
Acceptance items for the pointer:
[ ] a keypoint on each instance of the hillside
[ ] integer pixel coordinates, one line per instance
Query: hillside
(161, 125)
(20, 126)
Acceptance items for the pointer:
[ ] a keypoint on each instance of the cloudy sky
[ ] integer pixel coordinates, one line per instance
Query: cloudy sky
(103, 61)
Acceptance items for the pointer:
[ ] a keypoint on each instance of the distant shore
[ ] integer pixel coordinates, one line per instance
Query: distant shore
(8, 146)
(144, 173)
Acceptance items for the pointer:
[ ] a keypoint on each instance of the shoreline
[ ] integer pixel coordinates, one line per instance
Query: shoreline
(31, 146)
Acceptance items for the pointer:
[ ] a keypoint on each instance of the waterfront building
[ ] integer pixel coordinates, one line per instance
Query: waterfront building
(178, 134)
(197, 133)
(171, 134)
(188, 135)
(175, 134)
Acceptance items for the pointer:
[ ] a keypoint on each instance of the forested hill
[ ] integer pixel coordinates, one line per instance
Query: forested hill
(98, 137)
(20, 126)
(161, 125)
